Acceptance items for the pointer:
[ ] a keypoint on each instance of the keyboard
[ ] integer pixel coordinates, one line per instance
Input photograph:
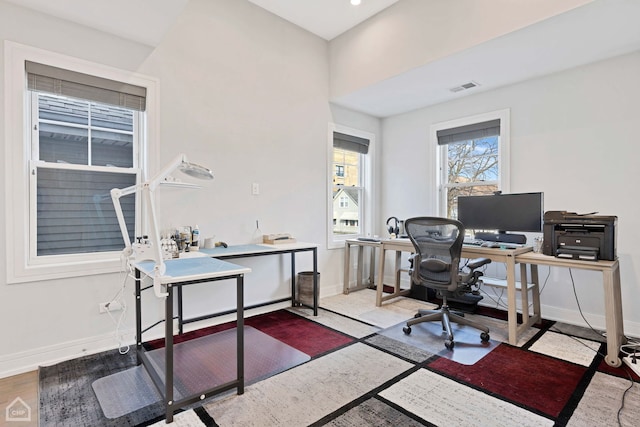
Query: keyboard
(472, 242)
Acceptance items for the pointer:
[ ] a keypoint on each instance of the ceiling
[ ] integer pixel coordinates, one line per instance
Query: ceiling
(325, 18)
(598, 30)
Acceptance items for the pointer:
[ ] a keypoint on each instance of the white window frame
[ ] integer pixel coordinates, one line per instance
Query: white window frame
(21, 267)
(440, 153)
(366, 171)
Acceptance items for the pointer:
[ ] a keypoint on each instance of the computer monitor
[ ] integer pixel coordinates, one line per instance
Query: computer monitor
(515, 212)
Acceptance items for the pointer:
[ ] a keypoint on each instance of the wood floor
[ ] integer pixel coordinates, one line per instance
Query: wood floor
(25, 387)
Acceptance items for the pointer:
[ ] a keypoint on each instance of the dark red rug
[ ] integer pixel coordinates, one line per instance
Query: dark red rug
(300, 333)
(523, 377)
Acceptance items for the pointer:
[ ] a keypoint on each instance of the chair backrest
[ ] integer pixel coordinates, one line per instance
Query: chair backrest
(438, 246)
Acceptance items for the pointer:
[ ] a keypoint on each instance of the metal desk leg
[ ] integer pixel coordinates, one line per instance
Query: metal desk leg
(294, 298)
(168, 351)
(138, 318)
(180, 312)
(240, 332)
(316, 291)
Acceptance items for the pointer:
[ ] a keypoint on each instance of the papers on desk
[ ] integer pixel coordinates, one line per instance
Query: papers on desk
(274, 239)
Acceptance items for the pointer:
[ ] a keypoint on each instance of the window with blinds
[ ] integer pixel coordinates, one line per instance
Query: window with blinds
(348, 187)
(469, 161)
(84, 142)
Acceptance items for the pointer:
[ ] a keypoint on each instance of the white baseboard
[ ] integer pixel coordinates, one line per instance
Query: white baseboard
(25, 361)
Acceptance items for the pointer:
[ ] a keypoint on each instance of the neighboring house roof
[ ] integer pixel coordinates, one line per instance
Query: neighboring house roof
(349, 191)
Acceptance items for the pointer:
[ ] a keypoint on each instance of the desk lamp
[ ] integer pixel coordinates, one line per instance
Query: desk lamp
(147, 189)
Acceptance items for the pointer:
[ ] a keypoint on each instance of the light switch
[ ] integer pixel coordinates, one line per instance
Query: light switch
(255, 188)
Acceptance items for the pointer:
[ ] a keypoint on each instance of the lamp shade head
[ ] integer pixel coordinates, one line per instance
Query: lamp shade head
(195, 170)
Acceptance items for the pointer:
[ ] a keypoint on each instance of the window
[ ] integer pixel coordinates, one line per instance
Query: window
(78, 130)
(473, 158)
(350, 165)
(80, 150)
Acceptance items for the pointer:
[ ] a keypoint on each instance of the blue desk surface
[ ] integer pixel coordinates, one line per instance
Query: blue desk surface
(187, 269)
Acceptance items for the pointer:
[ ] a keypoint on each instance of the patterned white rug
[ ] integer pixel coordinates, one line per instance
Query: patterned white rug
(444, 402)
(308, 392)
(183, 419)
(361, 305)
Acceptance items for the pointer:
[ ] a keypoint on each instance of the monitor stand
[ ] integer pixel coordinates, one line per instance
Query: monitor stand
(519, 239)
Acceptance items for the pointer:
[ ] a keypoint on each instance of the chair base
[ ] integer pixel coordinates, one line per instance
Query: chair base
(446, 317)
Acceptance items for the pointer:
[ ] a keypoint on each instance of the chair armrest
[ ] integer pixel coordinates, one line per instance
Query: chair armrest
(478, 262)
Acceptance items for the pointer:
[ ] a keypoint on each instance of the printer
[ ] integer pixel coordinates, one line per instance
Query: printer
(579, 236)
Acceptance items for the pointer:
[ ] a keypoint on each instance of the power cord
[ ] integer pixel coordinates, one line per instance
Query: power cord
(634, 344)
(119, 299)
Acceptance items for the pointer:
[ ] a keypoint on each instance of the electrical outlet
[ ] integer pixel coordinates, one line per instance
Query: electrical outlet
(635, 367)
(109, 306)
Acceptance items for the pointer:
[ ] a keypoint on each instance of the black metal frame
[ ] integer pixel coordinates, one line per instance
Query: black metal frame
(294, 302)
(166, 387)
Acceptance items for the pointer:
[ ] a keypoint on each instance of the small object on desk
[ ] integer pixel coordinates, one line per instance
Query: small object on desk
(274, 239)
(490, 245)
(223, 244)
(368, 239)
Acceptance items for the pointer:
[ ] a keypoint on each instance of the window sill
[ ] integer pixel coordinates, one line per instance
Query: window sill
(35, 273)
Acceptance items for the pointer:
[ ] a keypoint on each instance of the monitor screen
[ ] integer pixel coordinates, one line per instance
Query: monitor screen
(522, 212)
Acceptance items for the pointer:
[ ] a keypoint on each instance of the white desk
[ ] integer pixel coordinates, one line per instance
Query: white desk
(182, 272)
(263, 249)
(510, 257)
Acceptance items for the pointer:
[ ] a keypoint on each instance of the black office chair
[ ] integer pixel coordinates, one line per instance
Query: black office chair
(436, 265)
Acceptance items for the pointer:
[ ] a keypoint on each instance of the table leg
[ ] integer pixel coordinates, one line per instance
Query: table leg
(524, 293)
(398, 266)
(240, 332)
(535, 291)
(347, 268)
(294, 298)
(316, 291)
(372, 268)
(168, 351)
(613, 312)
(512, 311)
(380, 279)
(138, 318)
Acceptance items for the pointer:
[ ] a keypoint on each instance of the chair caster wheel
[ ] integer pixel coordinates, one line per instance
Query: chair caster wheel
(449, 344)
(484, 337)
(407, 330)
(417, 316)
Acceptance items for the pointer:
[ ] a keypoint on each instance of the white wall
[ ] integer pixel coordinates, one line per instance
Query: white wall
(242, 92)
(573, 136)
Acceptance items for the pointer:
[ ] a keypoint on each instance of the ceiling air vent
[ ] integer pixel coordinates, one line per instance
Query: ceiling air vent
(464, 86)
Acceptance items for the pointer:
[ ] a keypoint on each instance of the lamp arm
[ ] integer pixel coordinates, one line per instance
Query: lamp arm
(156, 247)
(116, 193)
(158, 178)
